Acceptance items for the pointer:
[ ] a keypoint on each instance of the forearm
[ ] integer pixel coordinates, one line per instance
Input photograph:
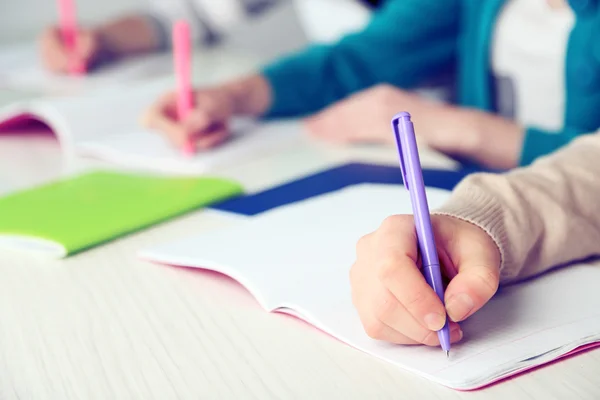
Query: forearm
(398, 47)
(484, 138)
(499, 141)
(540, 216)
(128, 35)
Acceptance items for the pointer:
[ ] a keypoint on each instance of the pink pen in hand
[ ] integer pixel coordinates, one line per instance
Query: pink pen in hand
(68, 29)
(182, 49)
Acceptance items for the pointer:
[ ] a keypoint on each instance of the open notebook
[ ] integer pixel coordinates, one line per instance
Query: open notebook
(107, 126)
(21, 69)
(295, 260)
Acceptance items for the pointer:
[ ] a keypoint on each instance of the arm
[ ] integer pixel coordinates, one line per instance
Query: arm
(128, 35)
(491, 140)
(540, 216)
(209, 20)
(398, 47)
(143, 33)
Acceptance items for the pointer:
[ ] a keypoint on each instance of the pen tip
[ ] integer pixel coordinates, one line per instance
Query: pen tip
(447, 353)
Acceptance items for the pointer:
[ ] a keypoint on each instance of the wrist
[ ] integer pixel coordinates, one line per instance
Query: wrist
(492, 140)
(249, 96)
(126, 36)
(473, 140)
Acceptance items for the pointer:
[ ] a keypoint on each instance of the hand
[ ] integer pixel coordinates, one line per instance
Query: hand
(362, 117)
(392, 298)
(55, 56)
(365, 117)
(207, 125)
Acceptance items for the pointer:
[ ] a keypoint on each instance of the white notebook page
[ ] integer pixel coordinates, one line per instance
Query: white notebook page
(143, 149)
(107, 126)
(299, 256)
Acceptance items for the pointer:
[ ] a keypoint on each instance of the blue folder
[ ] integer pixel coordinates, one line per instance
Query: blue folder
(330, 180)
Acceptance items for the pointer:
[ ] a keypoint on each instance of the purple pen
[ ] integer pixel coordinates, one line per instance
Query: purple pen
(410, 165)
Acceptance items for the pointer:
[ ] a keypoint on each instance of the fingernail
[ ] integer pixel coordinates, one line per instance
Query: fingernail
(434, 322)
(459, 306)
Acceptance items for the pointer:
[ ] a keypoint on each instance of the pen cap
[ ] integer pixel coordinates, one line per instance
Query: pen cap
(182, 48)
(412, 175)
(67, 20)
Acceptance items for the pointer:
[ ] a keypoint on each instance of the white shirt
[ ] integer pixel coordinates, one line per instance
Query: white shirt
(212, 19)
(528, 62)
(208, 19)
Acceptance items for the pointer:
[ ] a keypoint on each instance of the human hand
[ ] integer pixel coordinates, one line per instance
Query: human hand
(365, 117)
(207, 124)
(362, 117)
(394, 301)
(57, 58)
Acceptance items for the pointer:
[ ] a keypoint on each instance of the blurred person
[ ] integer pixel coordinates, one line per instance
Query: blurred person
(212, 22)
(527, 78)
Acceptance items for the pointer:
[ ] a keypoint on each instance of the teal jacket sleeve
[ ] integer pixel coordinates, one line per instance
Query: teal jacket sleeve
(539, 142)
(406, 42)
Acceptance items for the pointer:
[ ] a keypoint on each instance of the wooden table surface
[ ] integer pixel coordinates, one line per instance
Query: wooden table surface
(105, 325)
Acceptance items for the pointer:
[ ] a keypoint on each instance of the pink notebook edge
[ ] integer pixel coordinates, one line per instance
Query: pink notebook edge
(512, 375)
(515, 374)
(23, 120)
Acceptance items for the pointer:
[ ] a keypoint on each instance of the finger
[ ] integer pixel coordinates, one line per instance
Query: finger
(379, 330)
(165, 105)
(159, 118)
(328, 124)
(53, 52)
(215, 105)
(212, 140)
(86, 46)
(399, 273)
(364, 245)
(199, 121)
(171, 129)
(473, 286)
(375, 327)
(319, 123)
(392, 312)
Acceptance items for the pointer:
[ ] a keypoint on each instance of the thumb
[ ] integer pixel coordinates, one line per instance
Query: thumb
(474, 285)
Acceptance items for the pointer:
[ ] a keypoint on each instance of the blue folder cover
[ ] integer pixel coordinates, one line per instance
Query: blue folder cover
(330, 180)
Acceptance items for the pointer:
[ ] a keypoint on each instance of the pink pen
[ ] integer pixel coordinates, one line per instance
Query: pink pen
(68, 28)
(182, 49)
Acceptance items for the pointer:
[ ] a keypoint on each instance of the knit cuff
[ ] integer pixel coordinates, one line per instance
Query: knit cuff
(292, 81)
(282, 77)
(472, 204)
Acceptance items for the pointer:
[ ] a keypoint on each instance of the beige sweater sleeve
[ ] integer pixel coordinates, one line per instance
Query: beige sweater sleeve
(540, 216)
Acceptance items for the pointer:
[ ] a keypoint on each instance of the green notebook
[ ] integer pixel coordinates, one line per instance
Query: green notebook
(71, 215)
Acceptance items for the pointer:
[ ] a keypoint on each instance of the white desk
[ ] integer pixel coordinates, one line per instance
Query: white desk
(105, 325)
